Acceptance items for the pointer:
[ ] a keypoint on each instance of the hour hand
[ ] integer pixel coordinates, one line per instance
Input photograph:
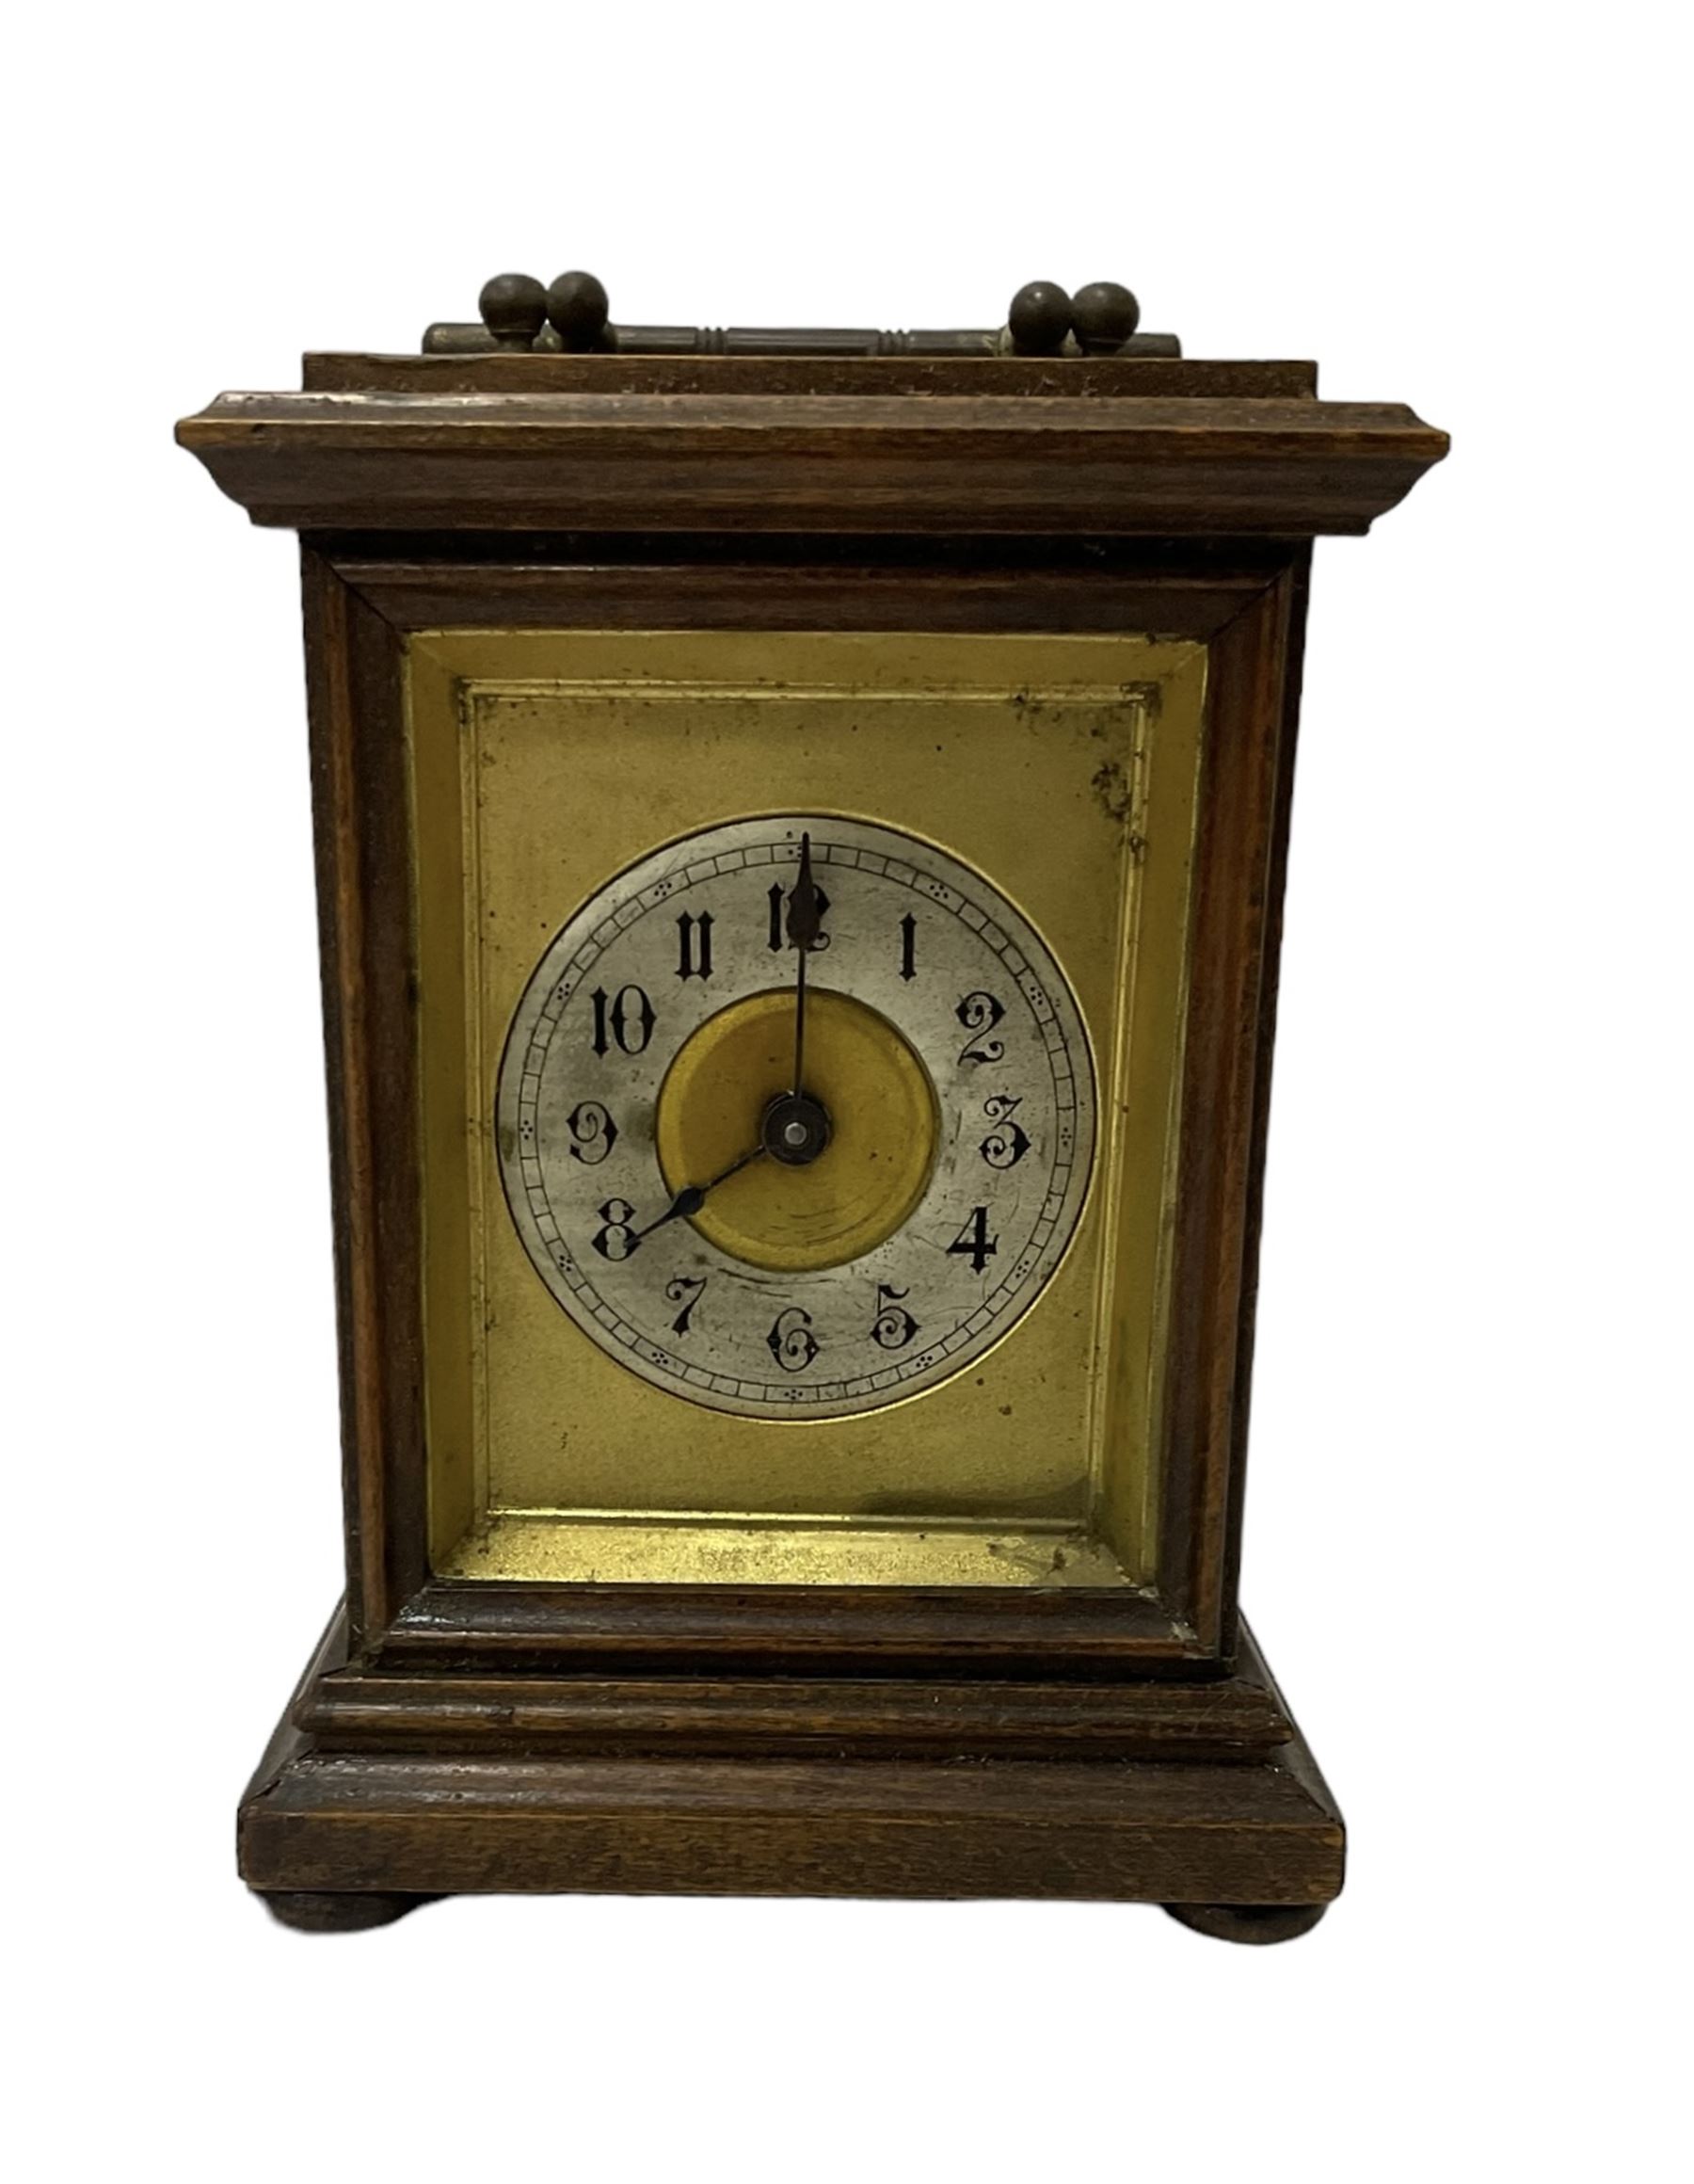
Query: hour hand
(687, 1202)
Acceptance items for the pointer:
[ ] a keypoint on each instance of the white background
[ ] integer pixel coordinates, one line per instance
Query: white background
(1468, 1519)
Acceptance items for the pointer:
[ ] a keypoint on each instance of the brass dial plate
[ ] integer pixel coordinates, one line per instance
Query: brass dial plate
(545, 763)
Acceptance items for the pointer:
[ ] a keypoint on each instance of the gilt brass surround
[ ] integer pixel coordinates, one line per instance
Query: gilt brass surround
(542, 764)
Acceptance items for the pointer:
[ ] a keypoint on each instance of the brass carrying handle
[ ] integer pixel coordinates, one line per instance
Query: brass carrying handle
(573, 316)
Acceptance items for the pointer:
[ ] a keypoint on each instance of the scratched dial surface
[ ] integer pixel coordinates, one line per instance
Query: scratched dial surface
(965, 995)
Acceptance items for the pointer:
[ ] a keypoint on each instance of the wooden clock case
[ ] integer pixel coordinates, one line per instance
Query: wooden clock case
(450, 1736)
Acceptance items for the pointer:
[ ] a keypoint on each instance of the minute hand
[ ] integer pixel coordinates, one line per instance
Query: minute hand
(805, 923)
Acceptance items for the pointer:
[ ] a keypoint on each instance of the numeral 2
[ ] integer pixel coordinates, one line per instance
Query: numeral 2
(979, 1013)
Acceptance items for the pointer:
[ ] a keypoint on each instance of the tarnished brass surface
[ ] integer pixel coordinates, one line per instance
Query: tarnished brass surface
(881, 1141)
(544, 763)
(633, 1548)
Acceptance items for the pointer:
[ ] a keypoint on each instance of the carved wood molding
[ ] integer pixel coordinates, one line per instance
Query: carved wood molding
(939, 463)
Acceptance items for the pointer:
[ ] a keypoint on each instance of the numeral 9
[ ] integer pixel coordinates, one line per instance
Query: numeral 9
(594, 1131)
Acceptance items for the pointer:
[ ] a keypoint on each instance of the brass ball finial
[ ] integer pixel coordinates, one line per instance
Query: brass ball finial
(1039, 319)
(1105, 314)
(514, 308)
(577, 309)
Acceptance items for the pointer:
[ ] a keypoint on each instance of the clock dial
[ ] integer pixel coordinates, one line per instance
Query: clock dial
(796, 1247)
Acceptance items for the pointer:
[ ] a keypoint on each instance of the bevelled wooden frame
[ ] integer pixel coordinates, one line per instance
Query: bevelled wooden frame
(555, 493)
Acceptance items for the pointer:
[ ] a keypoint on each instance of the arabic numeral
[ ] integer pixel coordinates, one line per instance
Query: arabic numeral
(628, 1018)
(893, 1326)
(1007, 1142)
(979, 1013)
(593, 1131)
(909, 947)
(973, 1240)
(791, 1341)
(777, 899)
(618, 1238)
(684, 1289)
(694, 935)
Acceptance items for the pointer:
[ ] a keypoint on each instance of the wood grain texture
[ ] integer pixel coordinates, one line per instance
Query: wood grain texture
(354, 662)
(1214, 1275)
(1253, 1205)
(1191, 591)
(1139, 1831)
(1107, 465)
(342, 373)
(689, 1715)
(1178, 1828)
(785, 1630)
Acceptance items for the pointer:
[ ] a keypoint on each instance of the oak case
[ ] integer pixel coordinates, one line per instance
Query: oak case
(769, 1734)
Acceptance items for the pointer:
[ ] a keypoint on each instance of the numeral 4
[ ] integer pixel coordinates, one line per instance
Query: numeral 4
(974, 1242)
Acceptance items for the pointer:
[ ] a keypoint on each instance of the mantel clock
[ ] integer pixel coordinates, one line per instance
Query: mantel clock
(800, 820)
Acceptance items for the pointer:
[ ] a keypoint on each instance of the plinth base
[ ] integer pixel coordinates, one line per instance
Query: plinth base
(430, 1788)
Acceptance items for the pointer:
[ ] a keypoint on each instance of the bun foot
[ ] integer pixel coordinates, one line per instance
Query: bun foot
(1255, 1922)
(337, 1910)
